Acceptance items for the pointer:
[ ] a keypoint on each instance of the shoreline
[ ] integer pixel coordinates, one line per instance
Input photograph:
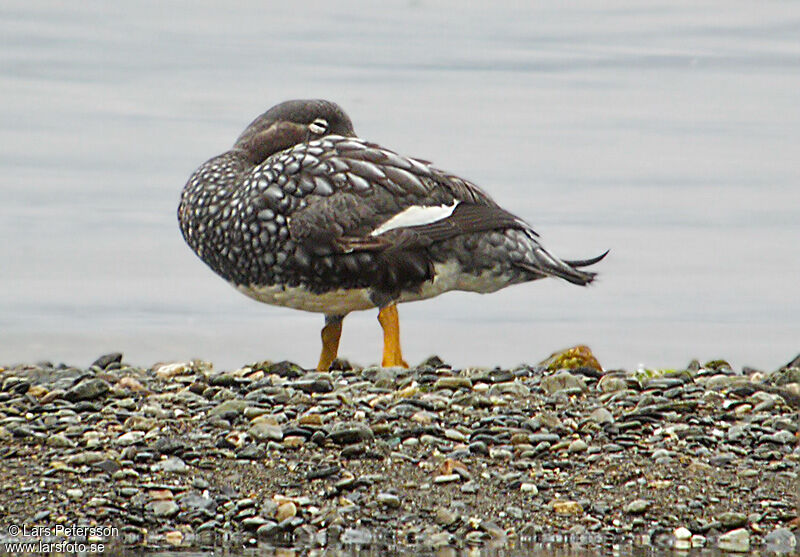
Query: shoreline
(181, 456)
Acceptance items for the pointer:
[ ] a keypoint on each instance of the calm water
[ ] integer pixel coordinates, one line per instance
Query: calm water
(666, 131)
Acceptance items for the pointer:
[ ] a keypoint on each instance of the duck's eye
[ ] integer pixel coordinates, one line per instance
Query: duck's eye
(318, 126)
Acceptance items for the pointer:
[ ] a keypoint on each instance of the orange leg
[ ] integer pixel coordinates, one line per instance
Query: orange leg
(331, 333)
(392, 355)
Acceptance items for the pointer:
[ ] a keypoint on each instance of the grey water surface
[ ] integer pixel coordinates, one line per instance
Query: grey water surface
(666, 131)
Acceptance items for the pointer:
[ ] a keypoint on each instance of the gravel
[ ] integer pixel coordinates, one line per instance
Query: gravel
(178, 455)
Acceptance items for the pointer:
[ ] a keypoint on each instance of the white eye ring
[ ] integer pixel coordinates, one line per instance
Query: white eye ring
(318, 126)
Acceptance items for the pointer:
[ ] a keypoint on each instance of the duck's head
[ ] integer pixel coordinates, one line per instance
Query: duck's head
(290, 123)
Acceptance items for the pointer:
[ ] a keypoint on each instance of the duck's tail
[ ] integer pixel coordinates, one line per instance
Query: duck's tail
(546, 264)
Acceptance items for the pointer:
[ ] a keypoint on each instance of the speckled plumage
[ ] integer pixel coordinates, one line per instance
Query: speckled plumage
(304, 214)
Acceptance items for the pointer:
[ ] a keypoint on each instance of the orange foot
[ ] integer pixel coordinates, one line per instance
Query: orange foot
(392, 355)
(331, 333)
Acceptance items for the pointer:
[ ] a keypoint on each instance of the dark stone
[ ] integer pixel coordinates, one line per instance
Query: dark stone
(286, 369)
(353, 451)
(436, 362)
(250, 452)
(351, 435)
(168, 445)
(298, 432)
(198, 388)
(290, 523)
(794, 363)
(86, 406)
(312, 385)
(663, 383)
(402, 410)
(223, 380)
(494, 376)
(245, 514)
(322, 472)
(478, 447)
(108, 466)
(142, 456)
(269, 530)
(211, 525)
(106, 360)
(485, 439)
(340, 364)
(423, 404)
(89, 389)
(536, 438)
(731, 520)
(20, 431)
(784, 376)
(16, 385)
(345, 484)
(722, 459)
(319, 438)
(419, 431)
(587, 371)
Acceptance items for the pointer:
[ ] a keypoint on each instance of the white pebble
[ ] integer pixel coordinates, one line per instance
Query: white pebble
(529, 488)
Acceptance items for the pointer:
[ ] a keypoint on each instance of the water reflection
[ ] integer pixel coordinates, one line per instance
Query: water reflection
(518, 550)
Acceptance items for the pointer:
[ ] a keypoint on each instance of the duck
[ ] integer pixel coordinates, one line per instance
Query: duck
(302, 213)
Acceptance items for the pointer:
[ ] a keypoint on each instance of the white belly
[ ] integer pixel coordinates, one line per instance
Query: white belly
(448, 276)
(336, 302)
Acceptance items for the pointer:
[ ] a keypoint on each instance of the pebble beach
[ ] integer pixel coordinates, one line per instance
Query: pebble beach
(181, 456)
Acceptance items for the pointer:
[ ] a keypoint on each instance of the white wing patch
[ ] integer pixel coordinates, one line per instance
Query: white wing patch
(416, 215)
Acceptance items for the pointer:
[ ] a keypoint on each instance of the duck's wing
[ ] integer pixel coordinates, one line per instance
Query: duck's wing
(363, 198)
(368, 198)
